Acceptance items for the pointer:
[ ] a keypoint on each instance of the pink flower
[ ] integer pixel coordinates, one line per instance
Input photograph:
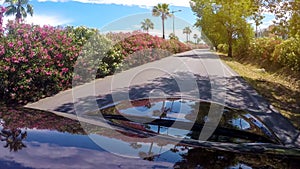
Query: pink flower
(10, 44)
(28, 71)
(7, 59)
(20, 43)
(59, 56)
(31, 54)
(48, 73)
(64, 70)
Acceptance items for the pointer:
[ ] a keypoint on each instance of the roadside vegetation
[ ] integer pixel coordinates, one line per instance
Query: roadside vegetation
(268, 59)
(280, 87)
(38, 61)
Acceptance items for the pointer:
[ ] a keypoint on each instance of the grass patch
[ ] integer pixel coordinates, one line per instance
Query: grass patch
(280, 87)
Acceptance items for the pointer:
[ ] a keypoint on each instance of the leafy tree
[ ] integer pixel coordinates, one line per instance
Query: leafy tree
(224, 20)
(187, 30)
(258, 15)
(19, 8)
(163, 11)
(147, 24)
(287, 15)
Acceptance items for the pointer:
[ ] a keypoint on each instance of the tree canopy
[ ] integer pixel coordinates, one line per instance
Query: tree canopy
(224, 21)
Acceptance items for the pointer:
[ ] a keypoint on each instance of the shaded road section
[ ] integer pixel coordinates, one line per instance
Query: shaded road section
(196, 74)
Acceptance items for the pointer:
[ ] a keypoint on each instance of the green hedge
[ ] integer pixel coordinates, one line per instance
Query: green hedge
(288, 53)
(285, 53)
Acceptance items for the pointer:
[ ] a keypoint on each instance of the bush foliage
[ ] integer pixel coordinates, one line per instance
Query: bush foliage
(288, 53)
(38, 61)
(285, 53)
(35, 61)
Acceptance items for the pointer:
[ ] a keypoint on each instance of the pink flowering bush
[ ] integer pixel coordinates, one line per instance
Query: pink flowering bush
(35, 61)
(20, 118)
(39, 61)
(141, 48)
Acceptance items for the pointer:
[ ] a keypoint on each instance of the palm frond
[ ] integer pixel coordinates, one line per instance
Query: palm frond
(23, 12)
(11, 10)
(30, 9)
(11, 2)
(155, 11)
(24, 2)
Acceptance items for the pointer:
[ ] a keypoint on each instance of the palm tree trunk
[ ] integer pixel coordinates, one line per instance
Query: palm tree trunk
(163, 25)
(18, 15)
(187, 38)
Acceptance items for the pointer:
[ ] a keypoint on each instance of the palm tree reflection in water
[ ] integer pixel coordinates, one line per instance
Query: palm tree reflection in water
(13, 138)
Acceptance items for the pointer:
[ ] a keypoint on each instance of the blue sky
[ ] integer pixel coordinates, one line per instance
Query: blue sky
(113, 14)
(91, 14)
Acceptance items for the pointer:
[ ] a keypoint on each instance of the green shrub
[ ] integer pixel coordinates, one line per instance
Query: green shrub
(262, 48)
(223, 48)
(288, 53)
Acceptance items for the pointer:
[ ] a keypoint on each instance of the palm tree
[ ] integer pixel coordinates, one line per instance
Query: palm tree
(163, 11)
(20, 8)
(187, 30)
(13, 138)
(195, 37)
(147, 24)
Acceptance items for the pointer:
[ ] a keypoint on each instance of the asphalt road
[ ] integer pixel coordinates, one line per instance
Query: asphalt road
(196, 74)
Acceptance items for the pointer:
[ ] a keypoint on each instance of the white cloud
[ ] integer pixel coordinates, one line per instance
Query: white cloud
(141, 3)
(44, 155)
(43, 20)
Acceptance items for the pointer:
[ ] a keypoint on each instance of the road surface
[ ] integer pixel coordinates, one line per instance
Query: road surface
(196, 74)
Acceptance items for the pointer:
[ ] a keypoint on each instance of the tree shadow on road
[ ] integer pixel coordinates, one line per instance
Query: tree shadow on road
(233, 90)
(238, 95)
(287, 101)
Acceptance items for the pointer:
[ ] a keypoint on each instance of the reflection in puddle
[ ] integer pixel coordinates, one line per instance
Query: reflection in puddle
(185, 119)
(13, 139)
(61, 143)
